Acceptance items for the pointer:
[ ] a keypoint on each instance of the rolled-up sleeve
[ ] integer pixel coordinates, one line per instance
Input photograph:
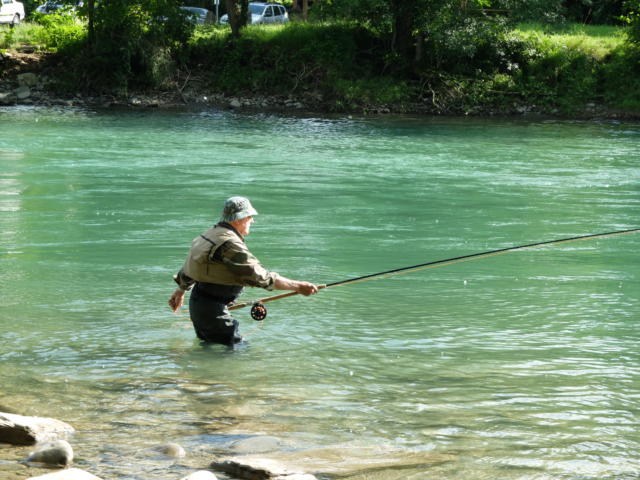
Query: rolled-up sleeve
(246, 267)
(184, 281)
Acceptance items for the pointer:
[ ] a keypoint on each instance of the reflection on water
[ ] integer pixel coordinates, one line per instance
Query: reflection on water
(518, 366)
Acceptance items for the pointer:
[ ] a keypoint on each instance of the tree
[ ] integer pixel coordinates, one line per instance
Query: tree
(593, 11)
(238, 12)
(404, 13)
(132, 40)
(632, 17)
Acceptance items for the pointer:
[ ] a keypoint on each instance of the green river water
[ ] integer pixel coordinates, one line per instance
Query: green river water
(519, 366)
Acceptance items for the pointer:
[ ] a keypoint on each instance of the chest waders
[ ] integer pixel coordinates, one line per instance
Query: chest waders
(214, 290)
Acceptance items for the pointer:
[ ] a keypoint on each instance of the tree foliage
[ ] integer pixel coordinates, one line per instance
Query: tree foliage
(130, 39)
(632, 18)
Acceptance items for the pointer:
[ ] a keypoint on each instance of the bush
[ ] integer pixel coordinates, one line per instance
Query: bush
(284, 59)
(621, 79)
(48, 32)
(473, 46)
(59, 32)
(133, 44)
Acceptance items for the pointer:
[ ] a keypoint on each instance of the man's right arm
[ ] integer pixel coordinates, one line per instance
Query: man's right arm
(303, 288)
(251, 273)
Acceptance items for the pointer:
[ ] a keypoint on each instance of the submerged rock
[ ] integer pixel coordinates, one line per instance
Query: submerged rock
(173, 450)
(332, 461)
(69, 474)
(53, 453)
(257, 445)
(260, 468)
(22, 430)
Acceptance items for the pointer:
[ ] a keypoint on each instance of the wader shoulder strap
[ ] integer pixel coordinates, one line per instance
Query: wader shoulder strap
(208, 240)
(214, 248)
(214, 251)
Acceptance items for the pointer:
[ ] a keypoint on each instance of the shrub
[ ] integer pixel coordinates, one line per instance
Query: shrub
(283, 59)
(472, 46)
(620, 79)
(59, 32)
(133, 43)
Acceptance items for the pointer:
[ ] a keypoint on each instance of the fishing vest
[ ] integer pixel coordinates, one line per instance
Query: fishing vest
(200, 264)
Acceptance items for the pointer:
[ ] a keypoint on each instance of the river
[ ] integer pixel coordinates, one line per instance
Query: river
(520, 366)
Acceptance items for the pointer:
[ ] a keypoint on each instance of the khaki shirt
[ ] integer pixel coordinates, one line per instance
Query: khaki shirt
(220, 256)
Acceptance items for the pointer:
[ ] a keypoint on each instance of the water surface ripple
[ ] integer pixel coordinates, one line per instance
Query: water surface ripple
(520, 366)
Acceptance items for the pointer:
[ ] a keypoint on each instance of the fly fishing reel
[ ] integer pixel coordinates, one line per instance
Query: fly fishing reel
(258, 312)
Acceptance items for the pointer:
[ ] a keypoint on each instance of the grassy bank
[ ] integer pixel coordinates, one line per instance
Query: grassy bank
(566, 70)
(533, 67)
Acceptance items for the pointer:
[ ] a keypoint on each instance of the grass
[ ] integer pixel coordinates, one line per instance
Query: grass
(24, 33)
(594, 40)
(50, 36)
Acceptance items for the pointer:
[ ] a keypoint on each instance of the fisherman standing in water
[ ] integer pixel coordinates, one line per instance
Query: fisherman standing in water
(217, 268)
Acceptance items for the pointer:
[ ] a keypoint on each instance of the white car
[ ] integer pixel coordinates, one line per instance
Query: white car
(11, 12)
(264, 13)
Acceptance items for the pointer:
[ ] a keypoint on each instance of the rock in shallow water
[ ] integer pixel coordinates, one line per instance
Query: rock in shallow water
(22, 430)
(332, 461)
(53, 453)
(70, 474)
(200, 475)
(173, 450)
(257, 445)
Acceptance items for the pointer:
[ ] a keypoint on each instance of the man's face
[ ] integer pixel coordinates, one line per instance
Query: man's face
(244, 225)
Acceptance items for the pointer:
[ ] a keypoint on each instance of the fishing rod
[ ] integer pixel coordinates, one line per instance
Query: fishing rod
(259, 311)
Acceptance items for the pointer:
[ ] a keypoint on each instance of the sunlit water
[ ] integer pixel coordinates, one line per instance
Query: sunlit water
(520, 366)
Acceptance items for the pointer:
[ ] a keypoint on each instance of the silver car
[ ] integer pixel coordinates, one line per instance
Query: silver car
(264, 13)
(198, 16)
(11, 12)
(52, 7)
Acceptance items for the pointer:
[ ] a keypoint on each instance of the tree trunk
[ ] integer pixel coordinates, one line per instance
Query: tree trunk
(244, 13)
(91, 31)
(419, 48)
(233, 12)
(238, 12)
(305, 9)
(403, 20)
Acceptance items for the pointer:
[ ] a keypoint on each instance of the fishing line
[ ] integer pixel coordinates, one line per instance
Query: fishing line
(259, 311)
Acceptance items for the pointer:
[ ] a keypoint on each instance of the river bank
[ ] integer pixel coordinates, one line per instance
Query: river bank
(29, 79)
(33, 446)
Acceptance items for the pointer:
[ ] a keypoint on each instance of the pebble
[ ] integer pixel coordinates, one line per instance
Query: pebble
(58, 452)
(173, 450)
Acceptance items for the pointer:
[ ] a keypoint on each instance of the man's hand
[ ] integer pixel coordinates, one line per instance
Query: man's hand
(306, 288)
(176, 299)
(303, 288)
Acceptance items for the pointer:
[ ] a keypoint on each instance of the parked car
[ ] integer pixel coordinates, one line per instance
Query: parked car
(264, 13)
(50, 7)
(11, 12)
(199, 16)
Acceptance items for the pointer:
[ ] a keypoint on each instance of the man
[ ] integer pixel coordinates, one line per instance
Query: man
(217, 268)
